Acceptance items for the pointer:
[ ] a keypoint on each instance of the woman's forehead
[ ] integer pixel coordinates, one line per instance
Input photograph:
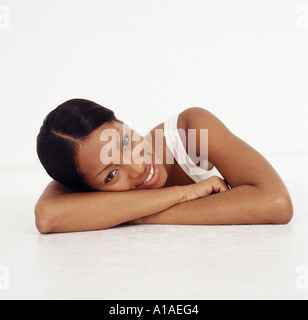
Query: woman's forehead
(89, 150)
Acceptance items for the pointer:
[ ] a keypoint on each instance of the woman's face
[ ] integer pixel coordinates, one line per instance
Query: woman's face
(116, 158)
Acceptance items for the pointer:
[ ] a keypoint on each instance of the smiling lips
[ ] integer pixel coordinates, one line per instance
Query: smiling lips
(152, 177)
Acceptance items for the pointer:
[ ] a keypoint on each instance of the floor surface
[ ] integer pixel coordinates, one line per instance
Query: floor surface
(158, 262)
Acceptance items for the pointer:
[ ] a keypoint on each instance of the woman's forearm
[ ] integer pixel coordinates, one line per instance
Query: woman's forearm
(100, 210)
(60, 209)
(241, 205)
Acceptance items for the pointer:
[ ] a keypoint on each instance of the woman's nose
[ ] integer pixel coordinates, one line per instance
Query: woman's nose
(135, 170)
(135, 155)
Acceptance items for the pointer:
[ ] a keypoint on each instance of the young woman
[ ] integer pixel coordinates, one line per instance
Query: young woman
(92, 192)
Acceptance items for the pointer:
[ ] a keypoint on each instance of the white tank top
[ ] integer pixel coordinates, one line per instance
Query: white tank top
(175, 145)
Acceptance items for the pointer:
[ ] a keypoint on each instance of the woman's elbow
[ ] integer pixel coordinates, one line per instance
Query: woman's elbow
(282, 212)
(43, 220)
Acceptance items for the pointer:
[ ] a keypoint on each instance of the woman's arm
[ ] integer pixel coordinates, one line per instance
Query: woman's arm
(258, 194)
(60, 209)
(241, 205)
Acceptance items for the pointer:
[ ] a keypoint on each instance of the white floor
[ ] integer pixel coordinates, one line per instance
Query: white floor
(158, 262)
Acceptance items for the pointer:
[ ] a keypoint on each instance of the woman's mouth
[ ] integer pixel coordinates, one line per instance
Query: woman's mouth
(152, 177)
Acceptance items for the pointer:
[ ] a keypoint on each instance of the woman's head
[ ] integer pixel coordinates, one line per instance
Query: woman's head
(61, 134)
(70, 145)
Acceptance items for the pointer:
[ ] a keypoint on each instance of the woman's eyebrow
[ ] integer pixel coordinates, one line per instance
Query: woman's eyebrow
(118, 147)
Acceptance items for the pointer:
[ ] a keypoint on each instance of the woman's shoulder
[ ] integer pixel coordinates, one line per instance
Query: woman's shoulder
(181, 122)
(197, 117)
(192, 118)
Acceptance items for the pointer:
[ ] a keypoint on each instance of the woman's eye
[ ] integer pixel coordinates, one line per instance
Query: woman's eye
(110, 176)
(125, 142)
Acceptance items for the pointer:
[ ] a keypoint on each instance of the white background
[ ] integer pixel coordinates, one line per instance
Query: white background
(244, 60)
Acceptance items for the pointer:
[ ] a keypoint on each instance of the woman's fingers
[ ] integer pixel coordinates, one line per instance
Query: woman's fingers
(205, 188)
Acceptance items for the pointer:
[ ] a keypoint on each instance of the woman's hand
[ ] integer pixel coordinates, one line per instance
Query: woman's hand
(191, 192)
(204, 188)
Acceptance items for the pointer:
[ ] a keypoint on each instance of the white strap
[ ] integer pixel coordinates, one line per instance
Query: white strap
(175, 145)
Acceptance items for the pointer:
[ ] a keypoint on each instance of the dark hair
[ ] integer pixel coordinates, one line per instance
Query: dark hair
(62, 130)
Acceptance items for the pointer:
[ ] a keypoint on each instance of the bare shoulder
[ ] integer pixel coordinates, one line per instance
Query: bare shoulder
(238, 162)
(201, 118)
(197, 118)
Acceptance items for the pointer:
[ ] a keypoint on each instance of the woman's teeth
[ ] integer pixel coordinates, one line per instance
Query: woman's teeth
(150, 175)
